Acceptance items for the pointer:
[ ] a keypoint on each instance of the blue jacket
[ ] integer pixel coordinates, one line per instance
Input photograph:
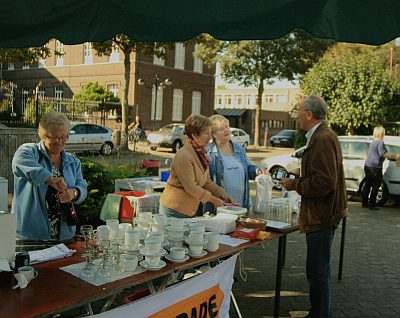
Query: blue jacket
(31, 168)
(217, 167)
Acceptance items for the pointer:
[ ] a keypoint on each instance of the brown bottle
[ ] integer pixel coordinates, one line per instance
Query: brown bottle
(69, 211)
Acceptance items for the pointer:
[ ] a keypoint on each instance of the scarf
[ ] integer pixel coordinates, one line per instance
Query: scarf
(201, 153)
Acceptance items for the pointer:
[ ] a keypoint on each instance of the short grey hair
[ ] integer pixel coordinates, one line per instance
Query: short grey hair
(316, 105)
(217, 121)
(53, 121)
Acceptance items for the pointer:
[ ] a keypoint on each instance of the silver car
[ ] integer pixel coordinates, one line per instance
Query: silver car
(240, 137)
(355, 150)
(90, 137)
(170, 136)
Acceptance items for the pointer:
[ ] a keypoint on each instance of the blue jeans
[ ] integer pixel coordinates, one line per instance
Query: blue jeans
(171, 212)
(319, 271)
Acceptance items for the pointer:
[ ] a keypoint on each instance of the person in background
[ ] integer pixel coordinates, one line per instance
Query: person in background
(46, 178)
(321, 185)
(136, 124)
(377, 153)
(189, 183)
(230, 167)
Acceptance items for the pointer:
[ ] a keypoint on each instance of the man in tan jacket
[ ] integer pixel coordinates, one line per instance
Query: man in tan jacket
(321, 185)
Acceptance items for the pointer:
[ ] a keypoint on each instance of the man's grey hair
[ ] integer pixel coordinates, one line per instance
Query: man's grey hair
(316, 105)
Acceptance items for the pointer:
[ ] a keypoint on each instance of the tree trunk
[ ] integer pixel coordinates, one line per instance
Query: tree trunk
(124, 104)
(258, 113)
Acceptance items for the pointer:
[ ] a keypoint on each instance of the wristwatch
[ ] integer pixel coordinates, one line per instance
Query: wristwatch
(76, 193)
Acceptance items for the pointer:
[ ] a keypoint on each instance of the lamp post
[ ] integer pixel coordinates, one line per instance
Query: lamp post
(157, 84)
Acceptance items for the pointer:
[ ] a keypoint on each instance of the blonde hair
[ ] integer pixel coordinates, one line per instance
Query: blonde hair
(217, 121)
(53, 121)
(379, 132)
(195, 124)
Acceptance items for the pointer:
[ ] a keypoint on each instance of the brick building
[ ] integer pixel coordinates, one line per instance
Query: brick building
(191, 91)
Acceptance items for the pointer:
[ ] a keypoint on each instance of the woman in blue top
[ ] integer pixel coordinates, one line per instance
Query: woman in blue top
(230, 167)
(377, 153)
(46, 180)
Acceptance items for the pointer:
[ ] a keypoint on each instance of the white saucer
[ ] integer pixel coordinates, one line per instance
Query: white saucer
(152, 268)
(168, 257)
(203, 253)
(162, 252)
(196, 243)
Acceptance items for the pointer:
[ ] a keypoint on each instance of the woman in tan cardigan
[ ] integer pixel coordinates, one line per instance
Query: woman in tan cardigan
(189, 182)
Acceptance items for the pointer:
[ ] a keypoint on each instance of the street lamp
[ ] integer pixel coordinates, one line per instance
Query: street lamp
(157, 84)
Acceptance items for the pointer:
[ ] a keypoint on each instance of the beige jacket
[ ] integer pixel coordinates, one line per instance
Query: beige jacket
(322, 184)
(188, 184)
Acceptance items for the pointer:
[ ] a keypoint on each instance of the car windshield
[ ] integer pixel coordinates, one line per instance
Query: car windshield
(168, 127)
(285, 133)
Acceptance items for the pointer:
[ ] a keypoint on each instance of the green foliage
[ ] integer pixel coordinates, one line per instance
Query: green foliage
(101, 181)
(24, 55)
(354, 81)
(95, 92)
(300, 139)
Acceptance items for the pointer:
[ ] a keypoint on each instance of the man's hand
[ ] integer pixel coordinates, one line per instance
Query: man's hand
(288, 184)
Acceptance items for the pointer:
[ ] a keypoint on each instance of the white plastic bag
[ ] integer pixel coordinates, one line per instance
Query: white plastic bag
(263, 190)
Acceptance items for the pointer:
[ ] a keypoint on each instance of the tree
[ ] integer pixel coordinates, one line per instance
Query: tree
(24, 55)
(128, 46)
(96, 92)
(354, 81)
(256, 63)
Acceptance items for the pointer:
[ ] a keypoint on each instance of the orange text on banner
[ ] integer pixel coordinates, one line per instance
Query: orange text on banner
(205, 304)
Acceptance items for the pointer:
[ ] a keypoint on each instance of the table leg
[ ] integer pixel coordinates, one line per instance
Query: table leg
(278, 282)
(108, 303)
(284, 250)
(342, 240)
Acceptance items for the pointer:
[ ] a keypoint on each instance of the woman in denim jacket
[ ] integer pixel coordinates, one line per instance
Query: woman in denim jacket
(230, 167)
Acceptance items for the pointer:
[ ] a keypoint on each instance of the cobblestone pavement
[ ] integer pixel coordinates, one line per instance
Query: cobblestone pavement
(370, 286)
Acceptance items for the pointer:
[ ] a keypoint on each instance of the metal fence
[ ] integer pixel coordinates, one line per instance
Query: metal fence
(10, 140)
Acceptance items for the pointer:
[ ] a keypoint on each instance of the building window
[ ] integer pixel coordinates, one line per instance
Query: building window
(218, 99)
(87, 53)
(114, 56)
(248, 99)
(269, 98)
(10, 66)
(281, 99)
(113, 88)
(25, 99)
(238, 99)
(58, 94)
(197, 62)
(196, 103)
(159, 103)
(179, 56)
(59, 53)
(25, 66)
(41, 63)
(177, 105)
(159, 60)
(42, 93)
(228, 100)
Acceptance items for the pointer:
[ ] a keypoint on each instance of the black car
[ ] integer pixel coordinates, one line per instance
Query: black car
(284, 138)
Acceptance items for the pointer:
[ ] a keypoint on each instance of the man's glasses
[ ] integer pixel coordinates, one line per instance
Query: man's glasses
(57, 139)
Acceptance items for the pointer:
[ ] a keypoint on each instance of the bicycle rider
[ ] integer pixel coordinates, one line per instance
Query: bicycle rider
(135, 128)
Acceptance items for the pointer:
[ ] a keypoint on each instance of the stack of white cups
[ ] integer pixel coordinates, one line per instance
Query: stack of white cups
(196, 239)
(176, 231)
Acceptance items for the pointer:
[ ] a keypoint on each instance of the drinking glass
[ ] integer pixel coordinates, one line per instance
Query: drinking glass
(89, 270)
(86, 232)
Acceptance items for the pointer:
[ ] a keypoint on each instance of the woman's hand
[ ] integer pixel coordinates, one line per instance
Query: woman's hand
(66, 195)
(262, 171)
(57, 183)
(217, 202)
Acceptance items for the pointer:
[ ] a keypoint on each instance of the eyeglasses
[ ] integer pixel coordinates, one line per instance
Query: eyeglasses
(57, 139)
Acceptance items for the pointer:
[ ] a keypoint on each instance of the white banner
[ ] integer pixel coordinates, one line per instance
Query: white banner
(203, 296)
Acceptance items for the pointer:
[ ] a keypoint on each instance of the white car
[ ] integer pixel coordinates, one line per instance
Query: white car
(170, 136)
(355, 150)
(240, 137)
(90, 137)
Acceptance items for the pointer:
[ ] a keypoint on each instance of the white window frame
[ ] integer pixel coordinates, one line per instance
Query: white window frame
(177, 104)
(58, 95)
(25, 98)
(197, 62)
(281, 98)
(42, 63)
(10, 66)
(114, 56)
(228, 100)
(159, 60)
(60, 50)
(113, 88)
(196, 103)
(180, 56)
(269, 98)
(159, 103)
(87, 53)
(218, 100)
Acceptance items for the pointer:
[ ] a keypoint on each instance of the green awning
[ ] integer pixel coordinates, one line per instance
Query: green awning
(32, 23)
(229, 112)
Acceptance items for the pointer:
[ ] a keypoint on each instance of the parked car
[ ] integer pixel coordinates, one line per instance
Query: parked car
(90, 137)
(285, 138)
(170, 136)
(355, 150)
(240, 137)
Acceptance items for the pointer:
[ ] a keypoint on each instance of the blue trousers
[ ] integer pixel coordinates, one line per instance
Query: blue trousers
(318, 268)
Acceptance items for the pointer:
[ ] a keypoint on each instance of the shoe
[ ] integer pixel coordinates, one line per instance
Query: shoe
(374, 208)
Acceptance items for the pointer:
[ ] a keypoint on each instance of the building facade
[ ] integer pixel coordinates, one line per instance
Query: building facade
(64, 74)
(277, 108)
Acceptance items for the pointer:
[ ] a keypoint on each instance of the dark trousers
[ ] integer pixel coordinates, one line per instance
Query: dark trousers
(319, 271)
(373, 180)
